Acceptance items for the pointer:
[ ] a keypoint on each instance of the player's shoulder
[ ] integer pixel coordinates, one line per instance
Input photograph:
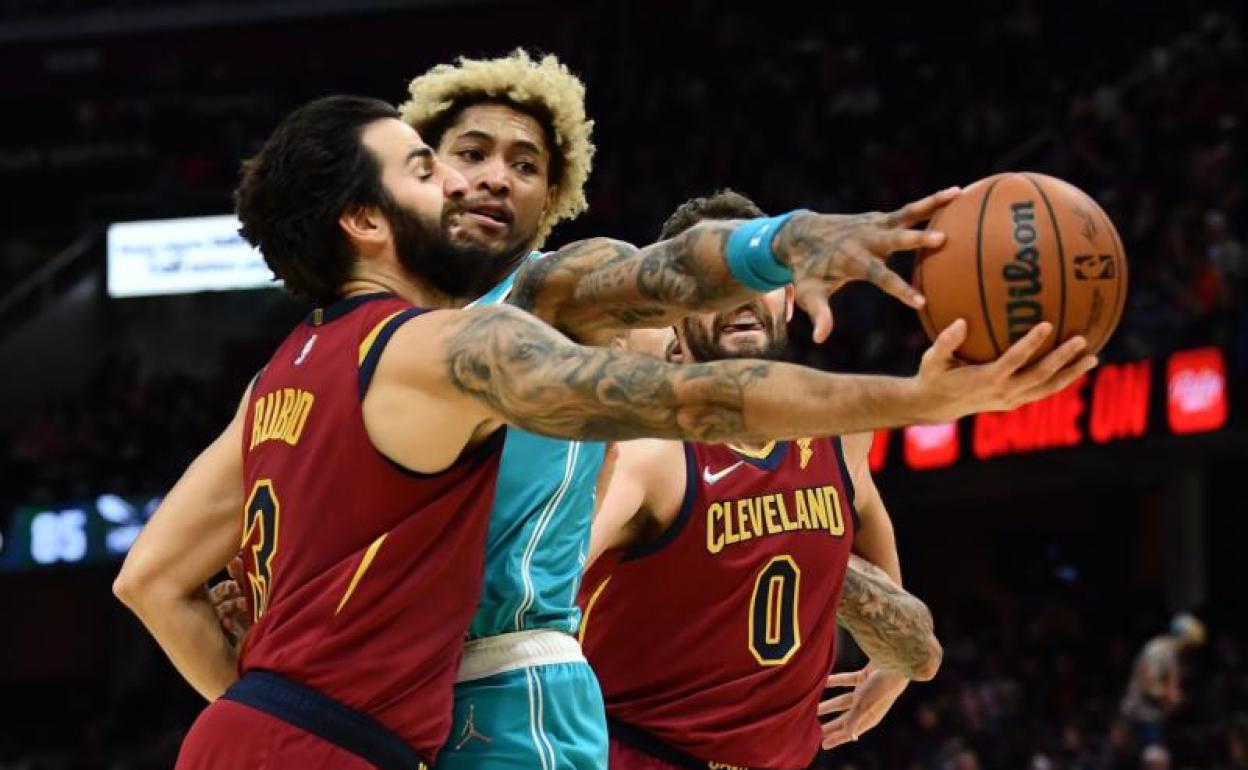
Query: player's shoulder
(419, 344)
(437, 325)
(649, 452)
(567, 261)
(651, 459)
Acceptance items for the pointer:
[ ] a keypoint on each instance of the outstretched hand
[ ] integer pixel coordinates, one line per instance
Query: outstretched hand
(951, 389)
(826, 251)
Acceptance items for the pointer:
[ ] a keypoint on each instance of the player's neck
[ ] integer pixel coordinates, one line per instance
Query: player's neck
(745, 447)
(414, 290)
(509, 266)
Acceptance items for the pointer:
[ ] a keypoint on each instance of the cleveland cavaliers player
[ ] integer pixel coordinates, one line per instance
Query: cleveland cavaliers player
(711, 618)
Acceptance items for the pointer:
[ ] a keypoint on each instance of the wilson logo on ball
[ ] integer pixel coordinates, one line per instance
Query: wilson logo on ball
(1022, 274)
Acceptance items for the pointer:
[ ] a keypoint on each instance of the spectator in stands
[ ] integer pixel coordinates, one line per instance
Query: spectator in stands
(1154, 690)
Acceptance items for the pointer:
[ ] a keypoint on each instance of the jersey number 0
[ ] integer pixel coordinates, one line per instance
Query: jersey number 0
(774, 632)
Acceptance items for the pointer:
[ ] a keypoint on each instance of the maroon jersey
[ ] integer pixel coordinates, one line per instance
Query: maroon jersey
(363, 575)
(715, 638)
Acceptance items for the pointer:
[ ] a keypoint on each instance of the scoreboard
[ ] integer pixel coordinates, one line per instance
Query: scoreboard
(94, 531)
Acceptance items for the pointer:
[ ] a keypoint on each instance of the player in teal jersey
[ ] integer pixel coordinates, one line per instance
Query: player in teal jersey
(517, 130)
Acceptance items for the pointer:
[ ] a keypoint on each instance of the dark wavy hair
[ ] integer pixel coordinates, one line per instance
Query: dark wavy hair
(312, 169)
(725, 204)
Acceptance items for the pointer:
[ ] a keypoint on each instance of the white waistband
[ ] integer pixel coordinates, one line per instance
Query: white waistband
(508, 652)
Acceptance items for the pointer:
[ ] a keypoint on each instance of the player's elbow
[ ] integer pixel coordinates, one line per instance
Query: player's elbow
(126, 588)
(135, 589)
(928, 664)
(930, 653)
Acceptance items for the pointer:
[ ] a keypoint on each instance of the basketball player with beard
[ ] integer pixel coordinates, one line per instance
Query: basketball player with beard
(710, 618)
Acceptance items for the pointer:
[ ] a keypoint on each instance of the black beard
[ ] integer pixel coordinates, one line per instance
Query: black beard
(500, 264)
(705, 348)
(425, 251)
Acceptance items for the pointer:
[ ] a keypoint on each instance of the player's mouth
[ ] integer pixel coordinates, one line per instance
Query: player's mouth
(742, 322)
(491, 217)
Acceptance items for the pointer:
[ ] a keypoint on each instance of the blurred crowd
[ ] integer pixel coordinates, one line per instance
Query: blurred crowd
(1035, 682)
(1028, 682)
(858, 109)
(131, 433)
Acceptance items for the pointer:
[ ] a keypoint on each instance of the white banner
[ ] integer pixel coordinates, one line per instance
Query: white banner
(181, 256)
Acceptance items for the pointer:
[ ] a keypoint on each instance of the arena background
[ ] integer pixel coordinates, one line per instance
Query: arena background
(1050, 544)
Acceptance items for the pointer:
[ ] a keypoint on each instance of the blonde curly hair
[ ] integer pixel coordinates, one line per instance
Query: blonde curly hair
(547, 89)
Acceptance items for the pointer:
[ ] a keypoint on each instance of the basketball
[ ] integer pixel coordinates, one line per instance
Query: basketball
(1022, 248)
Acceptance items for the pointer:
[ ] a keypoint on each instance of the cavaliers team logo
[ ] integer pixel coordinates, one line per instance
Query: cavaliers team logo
(803, 444)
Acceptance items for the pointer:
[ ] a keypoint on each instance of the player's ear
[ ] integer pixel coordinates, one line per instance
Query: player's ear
(365, 224)
(676, 349)
(552, 193)
(681, 354)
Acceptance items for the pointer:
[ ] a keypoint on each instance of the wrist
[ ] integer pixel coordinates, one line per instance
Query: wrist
(782, 240)
(750, 255)
(915, 403)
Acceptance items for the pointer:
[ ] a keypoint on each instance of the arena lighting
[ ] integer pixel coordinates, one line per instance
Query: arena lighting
(1111, 405)
(182, 256)
(1196, 391)
(931, 446)
(879, 451)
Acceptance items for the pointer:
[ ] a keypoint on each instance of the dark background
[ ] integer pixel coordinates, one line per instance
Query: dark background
(1045, 571)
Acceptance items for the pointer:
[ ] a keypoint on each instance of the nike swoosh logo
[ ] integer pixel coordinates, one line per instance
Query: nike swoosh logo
(713, 478)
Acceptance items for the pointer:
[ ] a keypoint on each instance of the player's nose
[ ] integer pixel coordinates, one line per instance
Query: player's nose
(494, 177)
(453, 183)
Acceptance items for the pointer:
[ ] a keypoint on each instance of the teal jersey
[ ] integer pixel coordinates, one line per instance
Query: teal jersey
(539, 527)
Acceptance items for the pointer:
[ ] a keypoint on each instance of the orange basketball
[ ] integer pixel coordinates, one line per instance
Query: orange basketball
(1023, 248)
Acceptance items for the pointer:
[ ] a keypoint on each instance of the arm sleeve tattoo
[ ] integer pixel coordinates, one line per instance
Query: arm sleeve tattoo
(891, 625)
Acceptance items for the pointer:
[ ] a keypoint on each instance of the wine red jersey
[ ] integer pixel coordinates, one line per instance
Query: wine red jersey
(716, 637)
(363, 575)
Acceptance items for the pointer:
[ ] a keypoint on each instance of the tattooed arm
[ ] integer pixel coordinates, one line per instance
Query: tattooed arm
(892, 626)
(593, 289)
(590, 290)
(895, 629)
(458, 374)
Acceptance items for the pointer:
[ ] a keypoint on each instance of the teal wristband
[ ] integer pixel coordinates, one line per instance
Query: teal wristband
(750, 258)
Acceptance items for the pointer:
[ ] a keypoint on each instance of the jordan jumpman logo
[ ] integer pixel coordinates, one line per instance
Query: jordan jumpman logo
(470, 730)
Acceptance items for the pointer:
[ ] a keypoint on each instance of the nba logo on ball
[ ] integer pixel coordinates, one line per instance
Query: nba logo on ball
(1196, 390)
(1094, 267)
